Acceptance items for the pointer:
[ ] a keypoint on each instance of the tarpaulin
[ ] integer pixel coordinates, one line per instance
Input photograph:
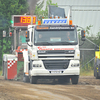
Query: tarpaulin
(56, 11)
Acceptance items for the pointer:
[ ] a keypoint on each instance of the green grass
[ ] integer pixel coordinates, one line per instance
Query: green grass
(0, 72)
(86, 72)
(20, 69)
(82, 72)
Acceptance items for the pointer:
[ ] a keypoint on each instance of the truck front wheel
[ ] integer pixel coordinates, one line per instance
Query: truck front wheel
(33, 80)
(74, 79)
(96, 72)
(26, 79)
(97, 76)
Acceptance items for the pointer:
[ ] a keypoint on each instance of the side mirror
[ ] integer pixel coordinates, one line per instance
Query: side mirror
(82, 35)
(27, 36)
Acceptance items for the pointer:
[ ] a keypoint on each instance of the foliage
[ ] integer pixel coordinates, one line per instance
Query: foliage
(98, 38)
(38, 9)
(43, 13)
(0, 72)
(8, 8)
(11, 7)
(87, 30)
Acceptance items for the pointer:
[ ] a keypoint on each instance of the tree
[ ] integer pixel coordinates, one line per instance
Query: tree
(38, 9)
(97, 40)
(88, 28)
(8, 8)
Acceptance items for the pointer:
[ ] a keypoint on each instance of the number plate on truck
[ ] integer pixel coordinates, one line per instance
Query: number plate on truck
(56, 72)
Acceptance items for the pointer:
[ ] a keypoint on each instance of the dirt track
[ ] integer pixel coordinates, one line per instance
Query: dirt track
(88, 88)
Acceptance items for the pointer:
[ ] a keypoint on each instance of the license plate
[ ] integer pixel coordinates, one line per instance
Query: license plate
(55, 72)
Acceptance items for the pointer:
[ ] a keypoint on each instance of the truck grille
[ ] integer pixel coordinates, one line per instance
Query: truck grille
(56, 64)
(56, 52)
(56, 56)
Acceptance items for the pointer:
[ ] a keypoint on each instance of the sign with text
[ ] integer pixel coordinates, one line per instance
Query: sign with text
(54, 21)
(23, 20)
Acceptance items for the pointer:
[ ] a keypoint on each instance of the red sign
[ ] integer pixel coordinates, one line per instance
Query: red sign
(23, 20)
(45, 48)
(11, 69)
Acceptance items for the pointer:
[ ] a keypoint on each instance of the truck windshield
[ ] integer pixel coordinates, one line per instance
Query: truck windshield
(55, 37)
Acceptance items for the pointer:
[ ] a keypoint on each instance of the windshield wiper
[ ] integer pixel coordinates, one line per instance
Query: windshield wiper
(56, 43)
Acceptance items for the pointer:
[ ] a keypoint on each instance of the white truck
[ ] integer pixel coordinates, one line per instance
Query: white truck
(53, 51)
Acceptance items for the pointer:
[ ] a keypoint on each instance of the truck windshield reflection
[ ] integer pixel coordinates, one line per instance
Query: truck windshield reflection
(56, 37)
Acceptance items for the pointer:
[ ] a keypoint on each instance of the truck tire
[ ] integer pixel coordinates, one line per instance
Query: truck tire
(33, 80)
(74, 79)
(94, 68)
(94, 71)
(97, 76)
(97, 71)
(26, 79)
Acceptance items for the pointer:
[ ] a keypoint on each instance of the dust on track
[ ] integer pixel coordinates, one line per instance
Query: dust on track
(88, 88)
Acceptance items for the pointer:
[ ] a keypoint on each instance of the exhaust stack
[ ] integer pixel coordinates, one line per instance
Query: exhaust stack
(32, 5)
(70, 16)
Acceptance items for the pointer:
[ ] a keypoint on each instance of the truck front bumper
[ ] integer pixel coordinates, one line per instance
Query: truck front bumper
(44, 72)
(41, 71)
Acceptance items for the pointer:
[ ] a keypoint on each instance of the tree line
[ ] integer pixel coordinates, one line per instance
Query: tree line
(17, 7)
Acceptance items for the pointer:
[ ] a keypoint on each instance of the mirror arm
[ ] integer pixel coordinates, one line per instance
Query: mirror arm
(29, 45)
(81, 27)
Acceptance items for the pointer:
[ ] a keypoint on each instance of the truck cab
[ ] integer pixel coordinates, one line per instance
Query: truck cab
(53, 51)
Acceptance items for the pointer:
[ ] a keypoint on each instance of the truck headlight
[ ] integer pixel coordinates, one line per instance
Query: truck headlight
(75, 65)
(37, 65)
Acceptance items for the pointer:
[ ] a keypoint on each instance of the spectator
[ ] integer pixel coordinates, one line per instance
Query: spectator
(68, 36)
